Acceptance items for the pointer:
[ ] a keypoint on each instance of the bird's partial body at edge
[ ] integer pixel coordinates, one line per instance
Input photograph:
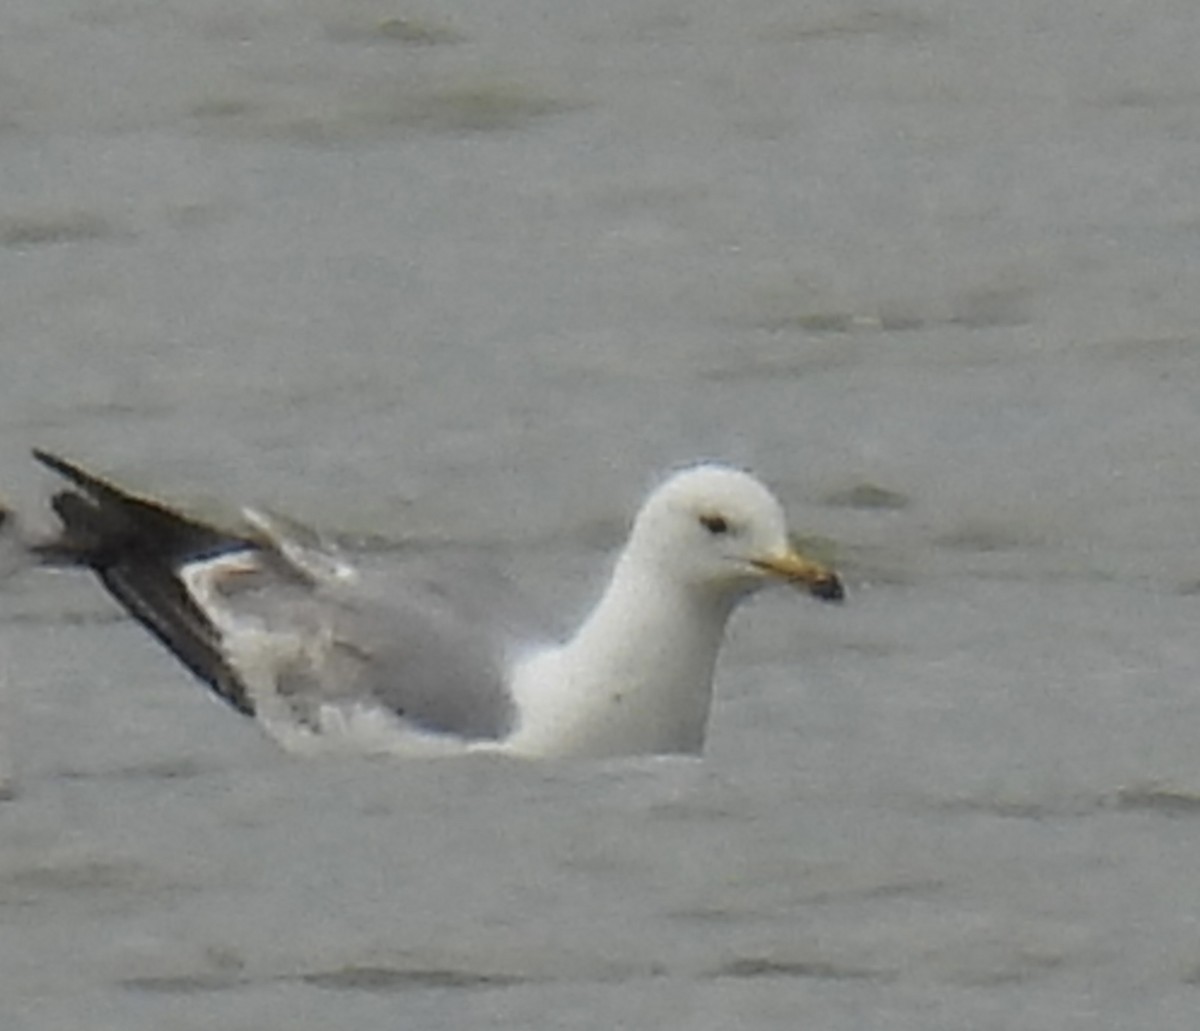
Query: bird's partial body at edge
(283, 628)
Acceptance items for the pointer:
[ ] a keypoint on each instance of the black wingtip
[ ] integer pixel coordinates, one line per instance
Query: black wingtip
(103, 522)
(59, 465)
(136, 545)
(91, 484)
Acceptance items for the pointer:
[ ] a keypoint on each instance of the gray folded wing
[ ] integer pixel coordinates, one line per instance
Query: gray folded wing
(273, 613)
(410, 655)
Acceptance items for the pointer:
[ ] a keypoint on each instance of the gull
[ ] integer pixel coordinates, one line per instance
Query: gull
(282, 626)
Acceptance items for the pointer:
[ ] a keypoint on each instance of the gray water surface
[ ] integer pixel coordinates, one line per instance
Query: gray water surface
(460, 281)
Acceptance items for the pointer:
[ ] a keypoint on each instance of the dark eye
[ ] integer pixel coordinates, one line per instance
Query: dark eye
(715, 524)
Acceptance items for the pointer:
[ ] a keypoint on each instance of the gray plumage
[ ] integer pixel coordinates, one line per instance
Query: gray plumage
(271, 614)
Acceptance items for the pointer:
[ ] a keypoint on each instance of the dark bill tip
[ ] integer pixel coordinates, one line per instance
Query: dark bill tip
(828, 588)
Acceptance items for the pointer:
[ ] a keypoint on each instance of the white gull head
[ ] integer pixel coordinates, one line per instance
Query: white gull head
(707, 528)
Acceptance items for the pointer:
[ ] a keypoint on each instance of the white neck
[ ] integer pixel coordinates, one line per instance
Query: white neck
(635, 679)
